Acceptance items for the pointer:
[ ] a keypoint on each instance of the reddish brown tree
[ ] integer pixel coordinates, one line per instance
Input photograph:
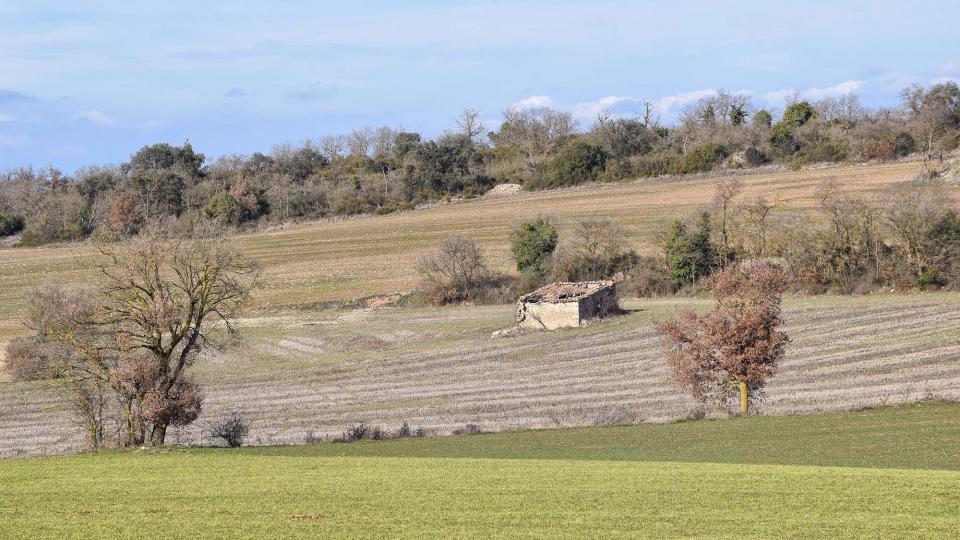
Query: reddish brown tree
(735, 347)
(125, 214)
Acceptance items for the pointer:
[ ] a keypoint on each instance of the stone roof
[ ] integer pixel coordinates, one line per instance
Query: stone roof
(564, 291)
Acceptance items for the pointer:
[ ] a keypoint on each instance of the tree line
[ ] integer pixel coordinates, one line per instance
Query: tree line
(385, 170)
(904, 238)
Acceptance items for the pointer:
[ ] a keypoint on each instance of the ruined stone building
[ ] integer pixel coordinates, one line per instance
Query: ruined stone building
(566, 304)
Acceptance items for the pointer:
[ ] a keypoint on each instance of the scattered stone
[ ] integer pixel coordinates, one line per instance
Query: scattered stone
(504, 190)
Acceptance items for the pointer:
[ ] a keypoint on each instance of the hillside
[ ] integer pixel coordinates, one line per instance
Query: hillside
(355, 258)
(890, 472)
(306, 367)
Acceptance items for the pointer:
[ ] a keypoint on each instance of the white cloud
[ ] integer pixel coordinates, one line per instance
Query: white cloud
(666, 105)
(590, 109)
(95, 117)
(839, 89)
(534, 102)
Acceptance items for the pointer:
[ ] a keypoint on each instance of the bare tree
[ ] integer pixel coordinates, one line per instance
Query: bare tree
(333, 146)
(163, 296)
(597, 248)
(534, 132)
(724, 203)
(470, 126)
(69, 348)
(359, 142)
(453, 269)
(757, 213)
(384, 140)
(123, 348)
(911, 211)
(933, 112)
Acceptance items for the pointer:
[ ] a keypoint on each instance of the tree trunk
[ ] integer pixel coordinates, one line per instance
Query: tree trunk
(744, 398)
(158, 434)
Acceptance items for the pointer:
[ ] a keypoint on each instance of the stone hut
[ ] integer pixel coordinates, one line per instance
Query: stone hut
(566, 304)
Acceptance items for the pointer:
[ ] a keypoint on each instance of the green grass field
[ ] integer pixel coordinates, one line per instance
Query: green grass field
(889, 472)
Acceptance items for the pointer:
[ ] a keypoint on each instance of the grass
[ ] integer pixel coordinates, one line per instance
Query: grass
(811, 476)
(439, 369)
(354, 258)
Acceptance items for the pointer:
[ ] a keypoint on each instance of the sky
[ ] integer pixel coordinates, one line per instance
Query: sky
(86, 82)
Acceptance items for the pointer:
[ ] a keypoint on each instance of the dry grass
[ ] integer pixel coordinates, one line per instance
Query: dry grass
(349, 259)
(302, 368)
(441, 370)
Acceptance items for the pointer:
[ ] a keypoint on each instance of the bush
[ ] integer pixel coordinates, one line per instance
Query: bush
(577, 162)
(468, 429)
(903, 144)
(762, 119)
(783, 135)
(690, 255)
(10, 224)
(755, 157)
(454, 270)
(596, 250)
(648, 279)
(702, 159)
(232, 430)
(223, 208)
(362, 432)
(654, 165)
(28, 359)
(532, 244)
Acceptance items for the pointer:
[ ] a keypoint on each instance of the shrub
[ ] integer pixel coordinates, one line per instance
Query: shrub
(232, 430)
(223, 208)
(690, 255)
(406, 432)
(783, 135)
(468, 429)
(702, 159)
(455, 268)
(576, 162)
(29, 359)
(755, 157)
(597, 249)
(648, 279)
(654, 165)
(762, 119)
(532, 244)
(356, 433)
(10, 224)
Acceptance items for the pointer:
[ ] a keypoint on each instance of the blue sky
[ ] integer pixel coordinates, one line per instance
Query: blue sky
(88, 82)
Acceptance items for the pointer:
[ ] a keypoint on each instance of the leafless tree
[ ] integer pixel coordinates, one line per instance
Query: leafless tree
(450, 271)
(333, 146)
(911, 211)
(597, 248)
(384, 140)
(470, 126)
(359, 142)
(163, 296)
(535, 133)
(757, 213)
(129, 341)
(932, 112)
(725, 208)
